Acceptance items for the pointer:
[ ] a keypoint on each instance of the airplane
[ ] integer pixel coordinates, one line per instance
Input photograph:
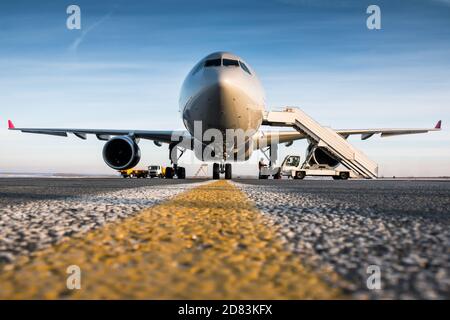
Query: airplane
(221, 92)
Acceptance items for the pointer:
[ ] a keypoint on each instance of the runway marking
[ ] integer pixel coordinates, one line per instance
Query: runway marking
(35, 225)
(207, 243)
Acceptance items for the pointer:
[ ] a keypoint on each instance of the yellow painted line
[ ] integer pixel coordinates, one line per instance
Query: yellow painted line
(207, 243)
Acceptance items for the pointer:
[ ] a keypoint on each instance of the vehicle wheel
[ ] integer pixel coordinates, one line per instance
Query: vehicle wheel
(169, 173)
(277, 175)
(344, 175)
(300, 174)
(336, 178)
(228, 171)
(216, 173)
(181, 173)
(263, 177)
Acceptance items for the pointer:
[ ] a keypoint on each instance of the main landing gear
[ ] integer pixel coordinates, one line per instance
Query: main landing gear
(219, 168)
(179, 172)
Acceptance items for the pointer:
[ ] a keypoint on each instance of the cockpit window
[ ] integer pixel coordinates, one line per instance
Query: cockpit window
(229, 62)
(293, 161)
(213, 63)
(197, 68)
(244, 67)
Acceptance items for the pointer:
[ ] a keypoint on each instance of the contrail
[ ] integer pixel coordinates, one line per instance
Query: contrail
(74, 46)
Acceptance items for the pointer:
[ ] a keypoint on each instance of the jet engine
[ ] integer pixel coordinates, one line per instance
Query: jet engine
(321, 157)
(121, 153)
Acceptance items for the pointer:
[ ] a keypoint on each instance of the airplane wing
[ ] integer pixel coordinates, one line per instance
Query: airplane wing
(367, 133)
(166, 136)
(105, 134)
(289, 136)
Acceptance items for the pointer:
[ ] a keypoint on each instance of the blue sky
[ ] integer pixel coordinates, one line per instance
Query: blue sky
(124, 69)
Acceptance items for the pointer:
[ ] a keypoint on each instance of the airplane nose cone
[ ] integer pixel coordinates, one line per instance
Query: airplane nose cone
(221, 104)
(223, 100)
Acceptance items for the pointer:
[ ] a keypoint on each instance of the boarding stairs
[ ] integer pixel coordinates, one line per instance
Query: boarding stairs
(325, 137)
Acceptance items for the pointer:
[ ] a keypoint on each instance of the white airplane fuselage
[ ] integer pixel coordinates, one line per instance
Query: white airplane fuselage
(222, 92)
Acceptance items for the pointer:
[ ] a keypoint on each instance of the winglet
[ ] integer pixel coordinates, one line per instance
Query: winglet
(438, 124)
(10, 125)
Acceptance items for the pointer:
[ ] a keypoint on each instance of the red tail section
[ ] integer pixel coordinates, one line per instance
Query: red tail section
(10, 125)
(438, 124)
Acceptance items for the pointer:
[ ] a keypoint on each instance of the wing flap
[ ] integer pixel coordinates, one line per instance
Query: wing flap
(103, 137)
(82, 136)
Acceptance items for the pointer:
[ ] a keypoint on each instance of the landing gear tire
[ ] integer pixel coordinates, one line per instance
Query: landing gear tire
(228, 171)
(300, 175)
(216, 171)
(181, 173)
(169, 173)
(277, 176)
(263, 177)
(344, 175)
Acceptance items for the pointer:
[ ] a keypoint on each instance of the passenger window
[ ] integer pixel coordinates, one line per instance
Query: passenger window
(244, 67)
(229, 62)
(213, 63)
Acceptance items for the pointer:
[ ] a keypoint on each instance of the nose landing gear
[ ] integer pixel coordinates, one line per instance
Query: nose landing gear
(220, 168)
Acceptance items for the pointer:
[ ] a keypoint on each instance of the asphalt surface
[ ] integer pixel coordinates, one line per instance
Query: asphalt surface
(37, 213)
(403, 227)
(336, 229)
(15, 190)
(209, 242)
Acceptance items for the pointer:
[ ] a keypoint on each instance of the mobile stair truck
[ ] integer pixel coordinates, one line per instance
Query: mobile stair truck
(326, 151)
(292, 167)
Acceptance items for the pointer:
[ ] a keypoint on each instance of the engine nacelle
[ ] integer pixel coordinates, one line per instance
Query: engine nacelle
(322, 158)
(121, 153)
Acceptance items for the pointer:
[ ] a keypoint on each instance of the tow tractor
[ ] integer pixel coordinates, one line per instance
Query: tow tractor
(134, 173)
(156, 171)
